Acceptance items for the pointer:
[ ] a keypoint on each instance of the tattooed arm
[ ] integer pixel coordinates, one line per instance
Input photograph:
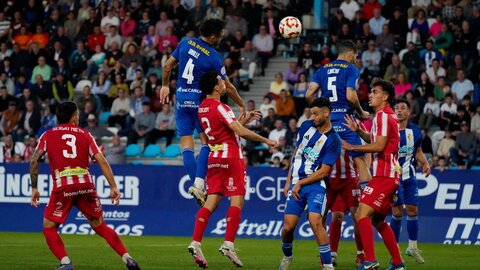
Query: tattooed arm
(34, 176)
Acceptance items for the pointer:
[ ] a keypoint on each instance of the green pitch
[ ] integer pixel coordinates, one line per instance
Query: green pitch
(29, 251)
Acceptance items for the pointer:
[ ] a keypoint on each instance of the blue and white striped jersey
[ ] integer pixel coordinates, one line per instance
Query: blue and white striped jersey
(313, 150)
(410, 141)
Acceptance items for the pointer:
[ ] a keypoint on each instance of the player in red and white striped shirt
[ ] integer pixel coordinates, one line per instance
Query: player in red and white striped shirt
(377, 197)
(69, 148)
(226, 174)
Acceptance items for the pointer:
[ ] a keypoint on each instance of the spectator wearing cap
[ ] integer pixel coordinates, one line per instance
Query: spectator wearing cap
(94, 129)
(62, 89)
(462, 86)
(10, 118)
(108, 21)
(466, 147)
(115, 153)
(164, 126)
(377, 21)
(29, 122)
(144, 123)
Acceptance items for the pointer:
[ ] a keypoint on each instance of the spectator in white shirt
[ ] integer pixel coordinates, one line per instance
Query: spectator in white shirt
(108, 21)
(475, 122)
(263, 43)
(371, 58)
(112, 37)
(265, 106)
(462, 86)
(349, 8)
(447, 110)
(278, 132)
(377, 21)
(431, 111)
(435, 71)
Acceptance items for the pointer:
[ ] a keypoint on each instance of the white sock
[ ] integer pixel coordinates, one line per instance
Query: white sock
(65, 260)
(125, 257)
(334, 254)
(412, 243)
(195, 243)
(360, 252)
(331, 265)
(199, 182)
(228, 244)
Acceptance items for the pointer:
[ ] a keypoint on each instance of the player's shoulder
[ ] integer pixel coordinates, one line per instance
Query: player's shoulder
(333, 136)
(306, 125)
(413, 127)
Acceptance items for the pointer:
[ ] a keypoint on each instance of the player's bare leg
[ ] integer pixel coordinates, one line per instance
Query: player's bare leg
(201, 222)
(195, 171)
(101, 228)
(289, 225)
(335, 233)
(233, 221)
(55, 243)
(315, 220)
(363, 167)
(362, 216)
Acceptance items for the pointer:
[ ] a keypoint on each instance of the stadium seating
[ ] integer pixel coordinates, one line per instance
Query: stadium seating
(152, 150)
(172, 151)
(103, 118)
(133, 150)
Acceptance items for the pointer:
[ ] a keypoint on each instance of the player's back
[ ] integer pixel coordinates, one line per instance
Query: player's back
(334, 79)
(344, 168)
(410, 141)
(68, 149)
(216, 118)
(195, 57)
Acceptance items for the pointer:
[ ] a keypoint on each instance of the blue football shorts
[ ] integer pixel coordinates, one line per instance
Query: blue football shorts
(187, 121)
(314, 196)
(347, 135)
(407, 192)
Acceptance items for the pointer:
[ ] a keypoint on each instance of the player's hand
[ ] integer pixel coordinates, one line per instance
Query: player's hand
(243, 111)
(165, 94)
(347, 146)
(295, 191)
(351, 123)
(35, 197)
(426, 169)
(272, 143)
(251, 116)
(365, 115)
(115, 196)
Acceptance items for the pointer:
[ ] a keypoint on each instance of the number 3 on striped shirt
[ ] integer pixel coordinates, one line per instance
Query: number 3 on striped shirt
(208, 129)
(71, 139)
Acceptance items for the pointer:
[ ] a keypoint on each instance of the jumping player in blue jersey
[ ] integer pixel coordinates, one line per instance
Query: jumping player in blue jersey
(410, 152)
(195, 56)
(318, 147)
(337, 81)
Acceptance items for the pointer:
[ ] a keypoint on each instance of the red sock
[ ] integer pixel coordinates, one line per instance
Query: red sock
(201, 223)
(233, 221)
(366, 233)
(358, 238)
(335, 231)
(111, 237)
(54, 242)
(390, 242)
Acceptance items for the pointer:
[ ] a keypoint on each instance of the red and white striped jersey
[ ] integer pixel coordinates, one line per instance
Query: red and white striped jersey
(385, 163)
(215, 118)
(68, 148)
(344, 167)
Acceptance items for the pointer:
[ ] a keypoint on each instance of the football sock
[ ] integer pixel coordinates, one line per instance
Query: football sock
(202, 162)
(65, 260)
(111, 237)
(233, 221)
(325, 254)
(390, 242)
(396, 225)
(412, 228)
(201, 223)
(335, 231)
(358, 240)
(189, 162)
(125, 257)
(366, 233)
(55, 243)
(287, 249)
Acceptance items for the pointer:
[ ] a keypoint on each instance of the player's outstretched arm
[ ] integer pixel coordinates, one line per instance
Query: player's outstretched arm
(422, 159)
(352, 98)
(354, 126)
(107, 172)
(235, 96)
(167, 70)
(34, 176)
(377, 146)
(250, 135)
(317, 176)
(312, 91)
(249, 117)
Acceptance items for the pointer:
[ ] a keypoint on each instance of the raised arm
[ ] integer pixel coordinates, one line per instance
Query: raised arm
(235, 96)
(246, 133)
(352, 98)
(37, 154)
(312, 91)
(354, 126)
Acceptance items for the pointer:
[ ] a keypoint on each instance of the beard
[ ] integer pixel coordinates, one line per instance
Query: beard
(320, 123)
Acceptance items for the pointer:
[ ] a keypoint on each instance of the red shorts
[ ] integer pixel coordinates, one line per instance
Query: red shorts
(83, 196)
(226, 176)
(379, 193)
(342, 194)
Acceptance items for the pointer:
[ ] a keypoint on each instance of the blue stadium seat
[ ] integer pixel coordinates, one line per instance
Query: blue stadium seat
(173, 150)
(157, 163)
(137, 162)
(133, 150)
(152, 150)
(103, 118)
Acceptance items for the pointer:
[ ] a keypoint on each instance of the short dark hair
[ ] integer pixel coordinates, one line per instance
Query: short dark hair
(321, 103)
(347, 46)
(402, 100)
(65, 111)
(212, 27)
(208, 81)
(387, 87)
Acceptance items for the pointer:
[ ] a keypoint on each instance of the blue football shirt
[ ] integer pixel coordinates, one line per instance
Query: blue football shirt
(410, 141)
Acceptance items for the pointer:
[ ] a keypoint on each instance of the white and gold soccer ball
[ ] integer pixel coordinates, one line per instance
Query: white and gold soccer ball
(290, 27)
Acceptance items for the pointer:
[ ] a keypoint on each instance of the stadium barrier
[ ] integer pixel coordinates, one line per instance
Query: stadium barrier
(155, 202)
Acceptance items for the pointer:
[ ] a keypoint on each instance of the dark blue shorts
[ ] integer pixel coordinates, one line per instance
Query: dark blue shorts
(187, 121)
(347, 135)
(314, 196)
(407, 192)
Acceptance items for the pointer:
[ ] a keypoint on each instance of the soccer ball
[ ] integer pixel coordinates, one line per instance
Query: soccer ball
(290, 27)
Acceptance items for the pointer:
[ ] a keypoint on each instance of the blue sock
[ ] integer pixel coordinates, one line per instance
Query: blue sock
(287, 249)
(202, 161)
(412, 227)
(189, 162)
(396, 225)
(325, 253)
